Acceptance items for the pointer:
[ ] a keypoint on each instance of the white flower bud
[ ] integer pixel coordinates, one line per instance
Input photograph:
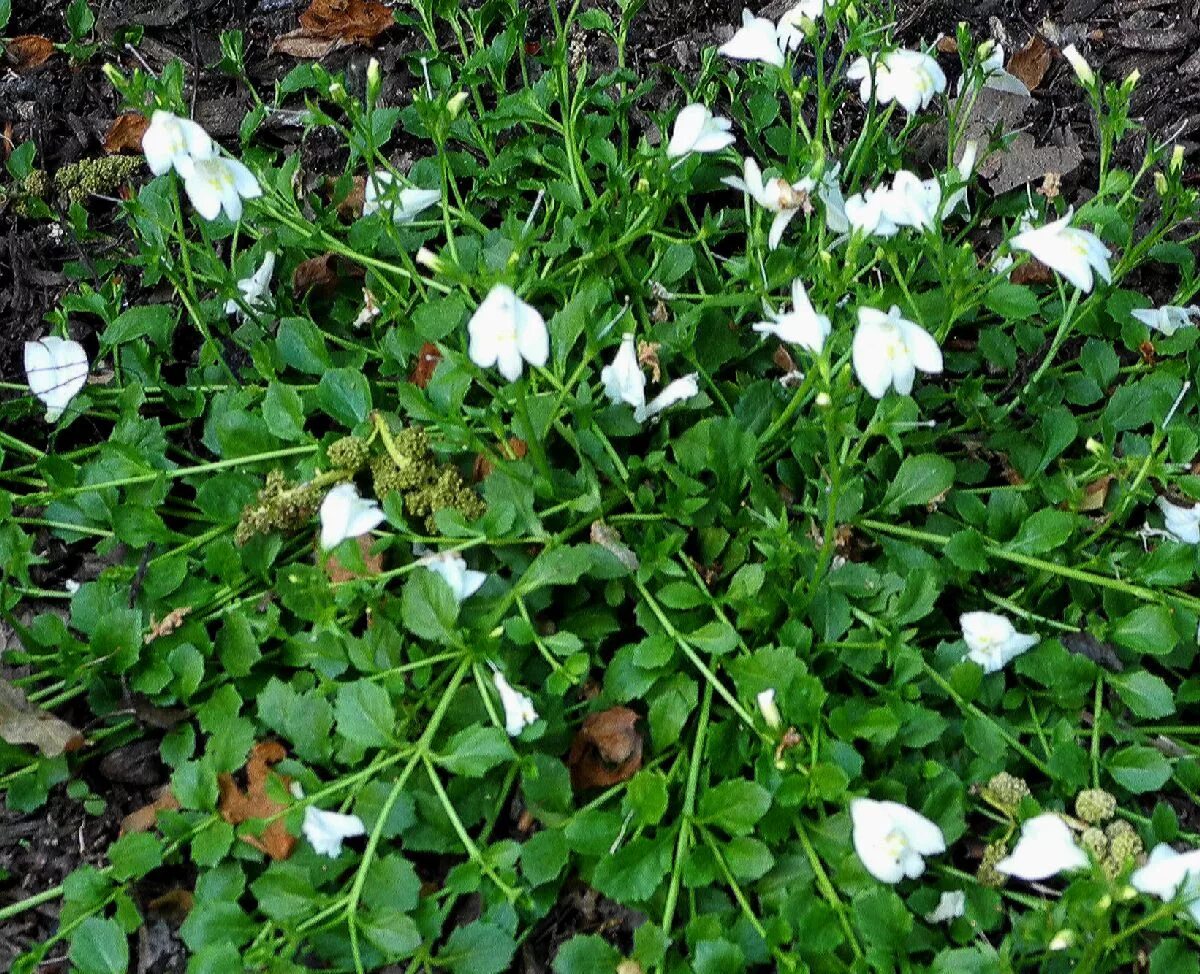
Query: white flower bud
(1083, 70)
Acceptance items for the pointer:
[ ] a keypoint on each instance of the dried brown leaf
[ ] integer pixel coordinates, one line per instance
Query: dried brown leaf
(29, 51)
(1031, 62)
(947, 45)
(514, 449)
(316, 272)
(1095, 494)
(300, 43)
(352, 21)
(145, 818)
(609, 539)
(647, 356)
(237, 806)
(125, 133)
(427, 361)
(167, 624)
(338, 572)
(1034, 272)
(175, 904)
(606, 750)
(23, 723)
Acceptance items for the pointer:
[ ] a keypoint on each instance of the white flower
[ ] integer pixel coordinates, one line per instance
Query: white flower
(406, 205)
(256, 289)
(504, 330)
(891, 839)
(370, 309)
(56, 368)
(951, 906)
(992, 641)
(699, 130)
(777, 195)
(217, 184)
(868, 212)
(677, 391)
(829, 191)
(801, 326)
(1168, 319)
(797, 21)
(992, 69)
(518, 708)
(174, 142)
(1168, 874)
(344, 514)
(1046, 848)
(756, 40)
(327, 830)
(964, 170)
(1083, 70)
(911, 78)
(1074, 253)
(463, 581)
(912, 202)
(623, 380)
(1182, 523)
(888, 349)
(769, 709)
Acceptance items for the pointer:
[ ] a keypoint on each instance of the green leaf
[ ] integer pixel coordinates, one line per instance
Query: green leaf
(918, 481)
(646, 797)
(1139, 769)
(99, 946)
(1147, 695)
(134, 855)
(1043, 531)
(544, 856)
(302, 347)
(734, 806)
(364, 714)
(586, 954)
(475, 750)
(154, 321)
(1013, 302)
(1174, 957)
(5, 13)
(345, 395)
(428, 607)
(283, 412)
(478, 948)
(1147, 629)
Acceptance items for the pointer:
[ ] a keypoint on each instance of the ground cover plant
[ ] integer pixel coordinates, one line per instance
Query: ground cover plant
(608, 529)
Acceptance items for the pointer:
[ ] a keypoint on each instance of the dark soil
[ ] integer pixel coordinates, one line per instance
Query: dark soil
(66, 110)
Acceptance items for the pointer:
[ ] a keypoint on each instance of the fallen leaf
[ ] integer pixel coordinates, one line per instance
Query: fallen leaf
(1051, 187)
(352, 206)
(300, 44)
(514, 449)
(338, 572)
(423, 368)
(237, 806)
(23, 723)
(947, 45)
(607, 749)
(175, 904)
(328, 24)
(316, 272)
(609, 539)
(167, 625)
(29, 51)
(783, 359)
(1095, 494)
(1031, 63)
(125, 133)
(146, 817)
(1148, 352)
(1083, 643)
(647, 356)
(1033, 272)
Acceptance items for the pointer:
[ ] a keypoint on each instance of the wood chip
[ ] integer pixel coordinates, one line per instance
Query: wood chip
(1031, 63)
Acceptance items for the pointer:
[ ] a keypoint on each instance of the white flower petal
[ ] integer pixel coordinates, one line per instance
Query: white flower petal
(892, 839)
(623, 380)
(463, 581)
(519, 712)
(327, 830)
(56, 369)
(1046, 848)
(344, 514)
(951, 906)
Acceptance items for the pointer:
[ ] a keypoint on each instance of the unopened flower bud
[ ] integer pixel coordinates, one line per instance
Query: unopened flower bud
(337, 93)
(1094, 447)
(427, 258)
(1130, 80)
(1176, 164)
(1095, 805)
(113, 74)
(769, 710)
(1062, 940)
(823, 400)
(643, 185)
(455, 105)
(1083, 70)
(1160, 184)
(374, 79)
